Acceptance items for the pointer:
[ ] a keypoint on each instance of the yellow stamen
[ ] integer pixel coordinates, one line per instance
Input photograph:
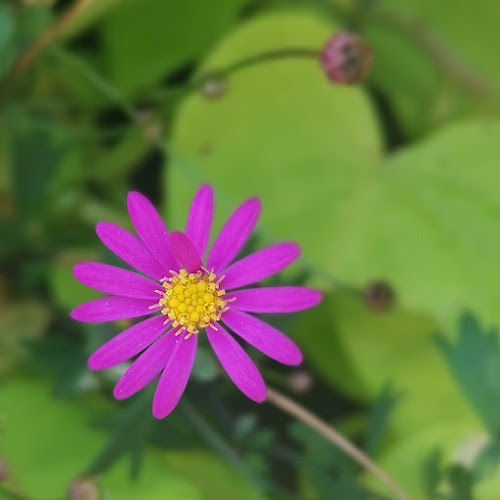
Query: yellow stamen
(192, 300)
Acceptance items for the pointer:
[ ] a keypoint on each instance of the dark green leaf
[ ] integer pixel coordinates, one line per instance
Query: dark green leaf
(378, 419)
(129, 437)
(474, 360)
(145, 39)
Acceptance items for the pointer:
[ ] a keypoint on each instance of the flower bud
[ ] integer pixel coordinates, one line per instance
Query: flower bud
(300, 381)
(83, 488)
(379, 296)
(346, 58)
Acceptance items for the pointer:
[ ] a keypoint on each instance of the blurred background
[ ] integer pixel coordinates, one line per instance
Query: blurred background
(390, 185)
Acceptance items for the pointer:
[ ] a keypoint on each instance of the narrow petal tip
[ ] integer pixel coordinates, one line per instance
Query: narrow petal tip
(261, 396)
(119, 394)
(94, 363)
(134, 196)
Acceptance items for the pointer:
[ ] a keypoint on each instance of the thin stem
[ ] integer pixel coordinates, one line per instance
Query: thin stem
(99, 83)
(45, 38)
(445, 58)
(199, 81)
(299, 412)
(259, 58)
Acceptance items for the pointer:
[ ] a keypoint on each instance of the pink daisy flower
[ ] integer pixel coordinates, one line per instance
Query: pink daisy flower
(183, 296)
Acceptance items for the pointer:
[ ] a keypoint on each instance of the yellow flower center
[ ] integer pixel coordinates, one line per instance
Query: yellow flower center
(192, 300)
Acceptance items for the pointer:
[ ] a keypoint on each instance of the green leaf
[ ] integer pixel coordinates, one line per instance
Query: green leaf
(407, 460)
(361, 350)
(406, 76)
(281, 131)
(88, 17)
(145, 39)
(45, 441)
(47, 454)
(214, 477)
(474, 360)
(378, 418)
(129, 437)
(427, 223)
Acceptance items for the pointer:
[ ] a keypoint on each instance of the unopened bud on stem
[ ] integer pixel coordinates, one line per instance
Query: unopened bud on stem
(347, 58)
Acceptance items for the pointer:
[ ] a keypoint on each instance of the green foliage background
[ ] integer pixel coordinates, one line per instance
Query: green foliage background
(394, 181)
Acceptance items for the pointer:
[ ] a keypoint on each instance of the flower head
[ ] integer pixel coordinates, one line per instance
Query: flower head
(183, 296)
(346, 58)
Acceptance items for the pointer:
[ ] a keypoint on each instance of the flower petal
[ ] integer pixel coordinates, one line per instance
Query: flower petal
(199, 221)
(112, 309)
(260, 265)
(184, 252)
(146, 367)
(151, 229)
(263, 337)
(234, 235)
(128, 343)
(130, 249)
(175, 376)
(238, 365)
(275, 299)
(115, 281)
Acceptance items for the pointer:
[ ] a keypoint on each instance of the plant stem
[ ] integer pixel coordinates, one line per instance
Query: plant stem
(445, 58)
(254, 59)
(199, 81)
(299, 412)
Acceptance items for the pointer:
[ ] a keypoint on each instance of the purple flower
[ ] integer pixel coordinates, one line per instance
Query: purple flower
(182, 297)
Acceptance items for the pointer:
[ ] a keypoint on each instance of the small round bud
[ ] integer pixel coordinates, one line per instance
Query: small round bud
(379, 296)
(346, 58)
(82, 488)
(299, 381)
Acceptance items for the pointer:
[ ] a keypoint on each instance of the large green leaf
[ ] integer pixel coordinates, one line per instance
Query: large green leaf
(48, 442)
(145, 39)
(427, 221)
(281, 131)
(361, 350)
(213, 476)
(45, 441)
(405, 461)
(424, 219)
